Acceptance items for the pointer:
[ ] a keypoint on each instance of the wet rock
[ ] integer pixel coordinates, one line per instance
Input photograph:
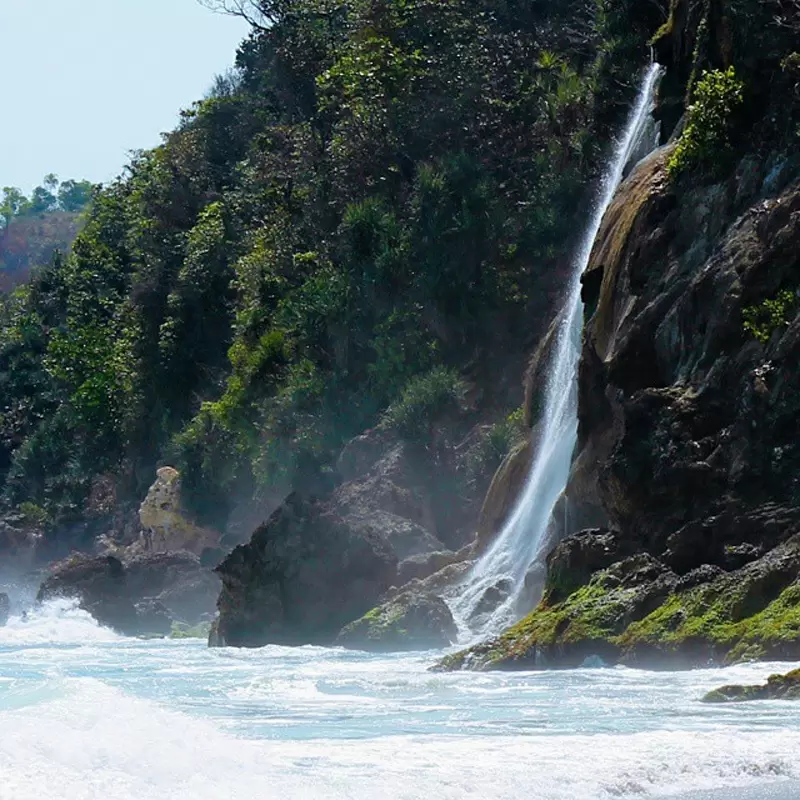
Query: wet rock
(777, 687)
(305, 574)
(503, 492)
(142, 595)
(408, 622)
(575, 559)
(638, 612)
(100, 587)
(492, 599)
(703, 574)
(5, 608)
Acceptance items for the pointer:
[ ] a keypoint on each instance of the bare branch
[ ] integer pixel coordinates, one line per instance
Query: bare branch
(258, 15)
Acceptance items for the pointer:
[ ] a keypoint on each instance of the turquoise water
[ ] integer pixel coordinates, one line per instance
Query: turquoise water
(85, 714)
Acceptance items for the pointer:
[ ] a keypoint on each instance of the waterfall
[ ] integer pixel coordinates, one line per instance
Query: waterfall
(515, 561)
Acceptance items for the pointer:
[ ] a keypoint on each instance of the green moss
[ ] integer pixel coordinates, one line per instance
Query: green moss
(777, 687)
(738, 617)
(719, 613)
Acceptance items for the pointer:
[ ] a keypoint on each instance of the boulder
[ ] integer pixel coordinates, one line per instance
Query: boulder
(305, 574)
(5, 609)
(167, 526)
(143, 595)
(99, 585)
(410, 621)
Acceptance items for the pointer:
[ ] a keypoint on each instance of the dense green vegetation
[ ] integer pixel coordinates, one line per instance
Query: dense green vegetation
(381, 190)
(706, 140)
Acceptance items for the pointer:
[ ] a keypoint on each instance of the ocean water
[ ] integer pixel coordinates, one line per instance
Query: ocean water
(86, 714)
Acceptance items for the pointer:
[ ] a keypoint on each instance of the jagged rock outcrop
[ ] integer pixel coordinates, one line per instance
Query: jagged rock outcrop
(167, 526)
(142, 595)
(320, 563)
(638, 612)
(409, 621)
(305, 574)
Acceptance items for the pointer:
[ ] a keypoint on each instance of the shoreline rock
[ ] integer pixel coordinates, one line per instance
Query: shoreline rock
(639, 613)
(777, 687)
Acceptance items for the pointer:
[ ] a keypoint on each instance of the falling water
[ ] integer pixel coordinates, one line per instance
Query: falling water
(519, 547)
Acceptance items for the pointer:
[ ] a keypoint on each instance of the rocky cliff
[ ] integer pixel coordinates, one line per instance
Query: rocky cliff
(688, 463)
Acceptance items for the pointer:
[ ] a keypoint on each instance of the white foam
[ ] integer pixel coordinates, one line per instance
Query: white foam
(55, 622)
(93, 742)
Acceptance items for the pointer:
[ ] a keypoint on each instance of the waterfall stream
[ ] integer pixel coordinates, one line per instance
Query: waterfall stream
(513, 566)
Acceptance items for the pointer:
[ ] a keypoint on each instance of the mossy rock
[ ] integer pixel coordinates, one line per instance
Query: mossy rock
(410, 621)
(182, 631)
(632, 615)
(777, 687)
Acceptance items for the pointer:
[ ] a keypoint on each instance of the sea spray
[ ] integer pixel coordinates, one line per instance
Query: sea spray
(519, 547)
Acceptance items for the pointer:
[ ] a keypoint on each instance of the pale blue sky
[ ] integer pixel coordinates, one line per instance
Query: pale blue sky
(86, 81)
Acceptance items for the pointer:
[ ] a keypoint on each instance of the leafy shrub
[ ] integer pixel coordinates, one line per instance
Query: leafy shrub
(424, 398)
(763, 319)
(496, 443)
(705, 142)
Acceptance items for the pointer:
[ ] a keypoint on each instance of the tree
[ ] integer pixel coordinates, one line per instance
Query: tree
(260, 14)
(74, 196)
(13, 204)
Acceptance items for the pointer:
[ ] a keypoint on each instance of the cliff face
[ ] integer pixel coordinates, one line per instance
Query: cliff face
(688, 462)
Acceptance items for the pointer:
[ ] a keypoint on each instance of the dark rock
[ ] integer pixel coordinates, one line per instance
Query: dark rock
(638, 612)
(5, 609)
(576, 558)
(304, 575)
(704, 574)
(142, 595)
(408, 622)
(99, 585)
